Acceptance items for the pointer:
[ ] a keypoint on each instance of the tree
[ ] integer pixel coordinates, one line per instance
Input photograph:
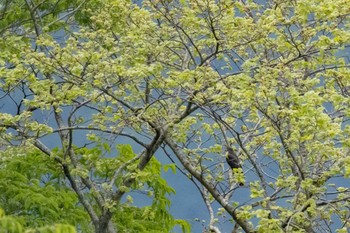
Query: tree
(185, 78)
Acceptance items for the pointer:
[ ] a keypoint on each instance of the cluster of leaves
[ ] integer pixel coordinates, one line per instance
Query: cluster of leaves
(10, 224)
(34, 195)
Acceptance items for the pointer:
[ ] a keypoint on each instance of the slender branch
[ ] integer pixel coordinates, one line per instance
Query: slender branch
(212, 227)
(101, 130)
(84, 201)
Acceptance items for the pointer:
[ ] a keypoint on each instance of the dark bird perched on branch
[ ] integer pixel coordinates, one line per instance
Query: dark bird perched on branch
(233, 160)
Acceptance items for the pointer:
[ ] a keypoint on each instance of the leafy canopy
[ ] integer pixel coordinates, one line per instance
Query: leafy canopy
(91, 90)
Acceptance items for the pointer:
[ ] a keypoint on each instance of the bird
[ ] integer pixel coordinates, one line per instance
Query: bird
(233, 160)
